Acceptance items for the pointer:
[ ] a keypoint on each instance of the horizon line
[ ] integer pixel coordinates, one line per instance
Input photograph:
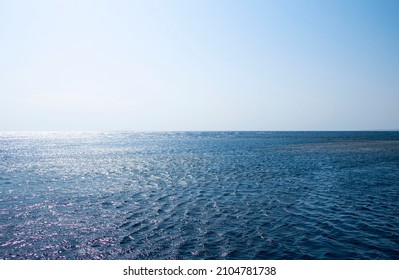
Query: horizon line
(174, 131)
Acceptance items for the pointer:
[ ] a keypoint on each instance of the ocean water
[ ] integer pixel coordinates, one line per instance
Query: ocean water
(199, 195)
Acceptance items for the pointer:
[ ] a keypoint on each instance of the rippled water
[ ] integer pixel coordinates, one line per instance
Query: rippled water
(199, 195)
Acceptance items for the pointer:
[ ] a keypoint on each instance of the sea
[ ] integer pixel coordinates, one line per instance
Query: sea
(199, 195)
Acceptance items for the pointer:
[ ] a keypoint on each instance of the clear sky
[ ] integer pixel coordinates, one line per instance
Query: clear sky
(199, 65)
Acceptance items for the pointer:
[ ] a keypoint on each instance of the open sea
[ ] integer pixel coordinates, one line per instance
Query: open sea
(199, 195)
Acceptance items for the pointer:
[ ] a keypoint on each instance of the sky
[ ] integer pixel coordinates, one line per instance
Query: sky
(199, 65)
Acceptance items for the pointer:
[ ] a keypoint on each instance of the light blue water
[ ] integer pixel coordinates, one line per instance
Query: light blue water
(199, 195)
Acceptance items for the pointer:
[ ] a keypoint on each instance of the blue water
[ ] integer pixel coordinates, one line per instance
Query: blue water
(199, 195)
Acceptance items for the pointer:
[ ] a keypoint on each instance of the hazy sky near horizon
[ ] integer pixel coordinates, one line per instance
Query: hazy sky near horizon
(199, 65)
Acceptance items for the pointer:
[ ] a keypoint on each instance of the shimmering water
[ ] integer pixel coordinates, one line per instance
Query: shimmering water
(199, 195)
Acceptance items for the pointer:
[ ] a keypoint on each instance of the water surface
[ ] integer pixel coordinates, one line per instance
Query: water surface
(199, 195)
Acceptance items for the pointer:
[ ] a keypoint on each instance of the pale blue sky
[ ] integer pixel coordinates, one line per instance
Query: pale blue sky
(199, 65)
